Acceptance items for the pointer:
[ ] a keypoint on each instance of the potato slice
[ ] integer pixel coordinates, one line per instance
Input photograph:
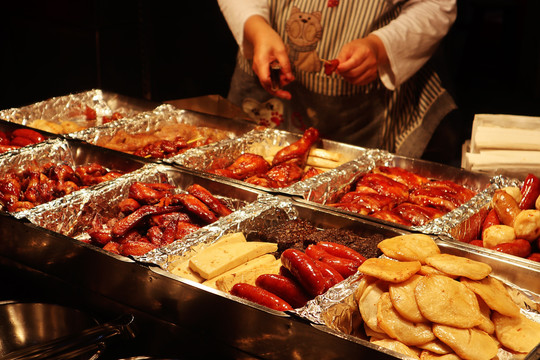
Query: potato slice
(403, 300)
(459, 266)
(430, 270)
(493, 292)
(448, 302)
(389, 270)
(516, 333)
(409, 247)
(427, 355)
(467, 343)
(398, 328)
(396, 346)
(368, 304)
(437, 347)
(486, 324)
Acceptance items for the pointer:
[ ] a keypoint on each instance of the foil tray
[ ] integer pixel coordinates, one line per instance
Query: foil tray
(71, 108)
(143, 283)
(63, 151)
(111, 135)
(260, 143)
(332, 185)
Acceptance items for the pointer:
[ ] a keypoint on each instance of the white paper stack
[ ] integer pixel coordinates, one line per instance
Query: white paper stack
(503, 144)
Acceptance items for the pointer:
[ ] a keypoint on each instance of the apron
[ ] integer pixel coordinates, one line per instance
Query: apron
(400, 121)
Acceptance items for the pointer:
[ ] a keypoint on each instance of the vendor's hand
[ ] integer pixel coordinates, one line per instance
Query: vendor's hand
(267, 47)
(359, 60)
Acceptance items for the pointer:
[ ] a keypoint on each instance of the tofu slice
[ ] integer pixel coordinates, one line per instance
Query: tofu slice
(182, 269)
(260, 261)
(227, 281)
(217, 260)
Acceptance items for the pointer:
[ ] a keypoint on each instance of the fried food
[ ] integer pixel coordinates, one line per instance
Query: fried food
(459, 266)
(368, 304)
(493, 292)
(516, 333)
(397, 346)
(467, 343)
(409, 247)
(448, 302)
(389, 270)
(397, 327)
(403, 300)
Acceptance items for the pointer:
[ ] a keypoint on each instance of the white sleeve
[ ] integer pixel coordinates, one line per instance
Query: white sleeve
(412, 38)
(236, 12)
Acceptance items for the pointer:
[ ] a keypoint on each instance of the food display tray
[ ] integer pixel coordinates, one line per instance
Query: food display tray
(333, 184)
(211, 313)
(258, 142)
(59, 150)
(72, 108)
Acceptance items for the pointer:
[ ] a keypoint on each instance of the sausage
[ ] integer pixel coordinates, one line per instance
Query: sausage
(210, 200)
(304, 270)
(136, 248)
(3, 138)
(341, 251)
(196, 207)
(530, 192)
(519, 247)
(285, 288)
(506, 207)
(534, 257)
(477, 243)
(491, 219)
(527, 225)
(29, 134)
(260, 296)
(346, 267)
(21, 141)
(132, 220)
(332, 275)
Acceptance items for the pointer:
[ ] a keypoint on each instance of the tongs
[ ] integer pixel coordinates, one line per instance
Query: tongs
(67, 347)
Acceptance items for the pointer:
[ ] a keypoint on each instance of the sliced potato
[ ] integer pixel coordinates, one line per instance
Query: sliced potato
(459, 266)
(467, 343)
(396, 346)
(368, 304)
(389, 270)
(493, 292)
(448, 302)
(516, 333)
(403, 300)
(397, 327)
(410, 247)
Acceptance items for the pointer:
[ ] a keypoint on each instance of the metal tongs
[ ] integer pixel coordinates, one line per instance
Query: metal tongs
(275, 71)
(68, 347)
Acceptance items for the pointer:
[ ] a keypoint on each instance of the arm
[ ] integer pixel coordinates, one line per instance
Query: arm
(258, 41)
(411, 39)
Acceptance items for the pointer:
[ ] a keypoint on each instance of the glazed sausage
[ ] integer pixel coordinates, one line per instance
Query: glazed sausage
(304, 270)
(519, 247)
(284, 287)
(506, 207)
(132, 220)
(21, 141)
(341, 251)
(260, 296)
(29, 134)
(491, 219)
(346, 267)
(530, 192)
(196, 207)
(332, 275)
(534, 257)
(210, 200)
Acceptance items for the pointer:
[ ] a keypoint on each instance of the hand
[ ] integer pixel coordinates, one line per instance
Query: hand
(359, 60)
(267, 47)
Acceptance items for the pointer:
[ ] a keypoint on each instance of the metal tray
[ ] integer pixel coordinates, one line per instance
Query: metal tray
(72, 108)
(71, 152)
(338, 182)
(150, 122)
(259, 142)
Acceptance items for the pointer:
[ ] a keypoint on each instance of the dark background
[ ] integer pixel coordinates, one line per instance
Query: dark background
(164, 50)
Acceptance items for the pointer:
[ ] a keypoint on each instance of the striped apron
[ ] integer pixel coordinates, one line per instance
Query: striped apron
(400, 121)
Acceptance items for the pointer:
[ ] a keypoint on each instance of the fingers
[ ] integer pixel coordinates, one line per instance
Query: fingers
(358, 63)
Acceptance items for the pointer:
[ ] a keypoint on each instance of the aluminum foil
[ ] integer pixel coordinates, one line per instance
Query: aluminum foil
(74, 214)
(260, 143)
(154, 122)
(69, 108)
(268, 209)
